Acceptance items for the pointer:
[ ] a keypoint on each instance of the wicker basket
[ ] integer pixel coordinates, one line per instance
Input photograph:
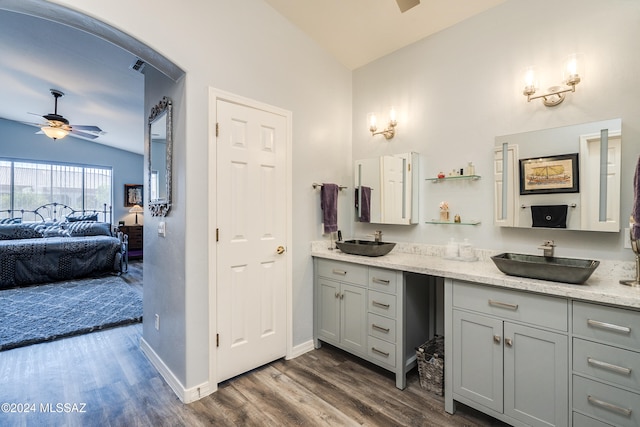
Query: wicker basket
(430, 357)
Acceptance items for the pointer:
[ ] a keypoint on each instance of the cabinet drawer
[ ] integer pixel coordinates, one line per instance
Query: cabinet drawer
(381, 327)
(343, 271)
(383, 304)
(616, 326)
(610, 404)
(382, 280)
(535, 309)
(580, 420)
(612, 364)
(382, 351)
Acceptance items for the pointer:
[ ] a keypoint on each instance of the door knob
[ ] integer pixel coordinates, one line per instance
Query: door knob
(280, 250)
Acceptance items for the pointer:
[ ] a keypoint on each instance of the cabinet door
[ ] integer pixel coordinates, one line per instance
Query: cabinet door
(353, 310)
(536, 376)
(328, 310)
(477, 359)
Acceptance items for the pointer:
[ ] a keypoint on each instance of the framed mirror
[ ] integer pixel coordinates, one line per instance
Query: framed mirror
(562, 178)
(160, 149)
(387, 189)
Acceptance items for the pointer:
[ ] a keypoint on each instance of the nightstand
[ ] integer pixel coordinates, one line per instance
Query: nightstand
(135, 233)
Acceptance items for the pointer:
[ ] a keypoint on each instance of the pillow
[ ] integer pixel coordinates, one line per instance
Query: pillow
(82, 217)
(53, 231)
(88, 228)
(25, 230)
(10, 220)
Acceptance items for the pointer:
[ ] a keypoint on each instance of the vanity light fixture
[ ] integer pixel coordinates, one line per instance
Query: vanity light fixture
(556, 94)
(390, 131)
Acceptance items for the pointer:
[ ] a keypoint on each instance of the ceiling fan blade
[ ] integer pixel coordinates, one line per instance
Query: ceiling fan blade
(88, 128)
(83, 134)
(405, 5)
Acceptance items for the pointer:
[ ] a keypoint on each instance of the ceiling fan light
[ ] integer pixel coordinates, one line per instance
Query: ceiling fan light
(54, 133)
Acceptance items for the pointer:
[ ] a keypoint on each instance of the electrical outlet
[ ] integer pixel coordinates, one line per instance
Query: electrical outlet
(627, 239)
(157, 322)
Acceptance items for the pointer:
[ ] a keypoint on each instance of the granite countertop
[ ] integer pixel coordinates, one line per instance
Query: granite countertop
(603, 286)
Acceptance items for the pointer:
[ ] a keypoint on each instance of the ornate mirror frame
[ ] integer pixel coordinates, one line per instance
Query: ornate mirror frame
(161, 206)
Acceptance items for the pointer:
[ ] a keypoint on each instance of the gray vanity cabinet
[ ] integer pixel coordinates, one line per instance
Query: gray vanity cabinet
(510, 356)
(341, 307)
(606, 365)
(374, 313)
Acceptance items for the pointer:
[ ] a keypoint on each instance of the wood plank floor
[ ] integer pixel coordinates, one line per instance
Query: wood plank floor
(103, 379)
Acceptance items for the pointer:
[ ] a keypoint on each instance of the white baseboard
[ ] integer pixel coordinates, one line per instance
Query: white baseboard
(301, 349)
(186, 395)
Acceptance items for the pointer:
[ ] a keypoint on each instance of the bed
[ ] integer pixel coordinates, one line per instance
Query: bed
(56, 242)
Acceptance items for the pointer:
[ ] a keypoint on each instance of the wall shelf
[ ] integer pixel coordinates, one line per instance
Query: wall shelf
(454, 178)
(435, 221)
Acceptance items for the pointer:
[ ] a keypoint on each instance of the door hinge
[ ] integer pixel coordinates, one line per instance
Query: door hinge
(217, 234)
(217, 340)
(217, 129)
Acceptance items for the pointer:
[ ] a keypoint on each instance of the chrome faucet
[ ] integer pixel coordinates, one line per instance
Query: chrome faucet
(547, 247)
(377, 236)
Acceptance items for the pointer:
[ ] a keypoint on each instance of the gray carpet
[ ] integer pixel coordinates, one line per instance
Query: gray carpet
(46, 312)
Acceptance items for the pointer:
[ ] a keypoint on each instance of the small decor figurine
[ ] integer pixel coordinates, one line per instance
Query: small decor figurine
(444, 211)
(456, 218)
(441, 175)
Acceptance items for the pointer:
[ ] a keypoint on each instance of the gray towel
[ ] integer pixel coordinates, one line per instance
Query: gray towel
(329, 205)
(635, 230)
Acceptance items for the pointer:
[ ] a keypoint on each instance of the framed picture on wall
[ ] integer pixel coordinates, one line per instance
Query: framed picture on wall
(554, 174)
(133, 195)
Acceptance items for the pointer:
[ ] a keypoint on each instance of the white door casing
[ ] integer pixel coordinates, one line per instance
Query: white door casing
(251, 281)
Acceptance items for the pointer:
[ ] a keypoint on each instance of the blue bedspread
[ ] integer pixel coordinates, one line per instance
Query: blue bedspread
(40, 260)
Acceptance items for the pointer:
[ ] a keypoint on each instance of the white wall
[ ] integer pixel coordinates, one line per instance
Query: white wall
(243, 47)
(457, 90)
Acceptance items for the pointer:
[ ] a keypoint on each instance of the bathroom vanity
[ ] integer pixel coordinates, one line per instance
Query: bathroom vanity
(525, 351)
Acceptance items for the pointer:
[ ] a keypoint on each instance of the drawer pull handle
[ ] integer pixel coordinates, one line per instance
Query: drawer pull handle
(381, 281)
(380, 304)
(609, 406)
(380, 352)
(503, 304)
(340, 272)
(380, 328)
(608, 366)
(609, 326)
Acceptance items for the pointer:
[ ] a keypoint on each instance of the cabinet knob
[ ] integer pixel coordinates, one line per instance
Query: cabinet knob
(508, 342)
(496, 339)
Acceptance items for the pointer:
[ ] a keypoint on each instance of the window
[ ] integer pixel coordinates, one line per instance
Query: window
(27, 185)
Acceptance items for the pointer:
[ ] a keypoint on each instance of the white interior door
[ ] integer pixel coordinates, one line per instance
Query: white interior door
(252, 226)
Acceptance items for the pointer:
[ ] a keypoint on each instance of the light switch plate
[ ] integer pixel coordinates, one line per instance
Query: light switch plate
(162, 229)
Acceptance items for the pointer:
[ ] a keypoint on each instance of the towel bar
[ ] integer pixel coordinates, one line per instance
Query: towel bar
(316, 185)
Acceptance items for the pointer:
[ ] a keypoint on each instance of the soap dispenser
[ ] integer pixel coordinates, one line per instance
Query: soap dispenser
(452, 249)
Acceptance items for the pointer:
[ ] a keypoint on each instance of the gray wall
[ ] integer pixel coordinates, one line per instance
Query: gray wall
(19, 141)
(459, 89)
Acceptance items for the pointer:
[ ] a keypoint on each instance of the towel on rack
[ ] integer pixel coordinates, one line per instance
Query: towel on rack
(549, 216)
(365, 210)
(635, 215)
(329, 206)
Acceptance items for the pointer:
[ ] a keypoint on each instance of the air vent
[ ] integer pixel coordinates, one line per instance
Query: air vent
(138, 65)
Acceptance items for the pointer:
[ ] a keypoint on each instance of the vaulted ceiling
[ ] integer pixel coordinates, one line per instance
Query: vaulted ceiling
(101, 89)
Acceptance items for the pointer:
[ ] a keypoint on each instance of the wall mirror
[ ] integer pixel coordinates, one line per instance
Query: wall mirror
(387, 189)
(160, 149)
(565, 178)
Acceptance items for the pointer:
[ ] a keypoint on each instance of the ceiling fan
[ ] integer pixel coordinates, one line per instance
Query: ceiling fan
(57, 127)
(405, 5)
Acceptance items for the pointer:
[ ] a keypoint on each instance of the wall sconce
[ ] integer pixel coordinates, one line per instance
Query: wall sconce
(390, 131)
(556, 94)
